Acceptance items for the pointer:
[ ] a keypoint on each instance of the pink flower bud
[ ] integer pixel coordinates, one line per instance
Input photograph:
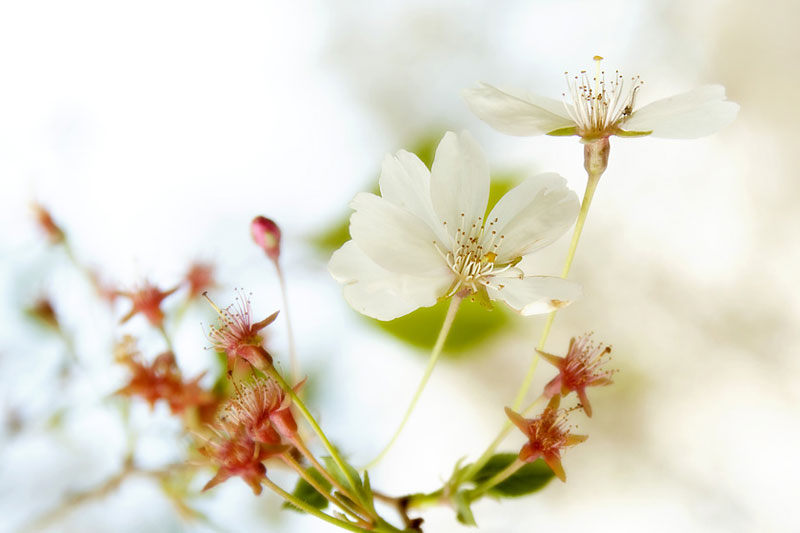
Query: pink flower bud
(267, 235)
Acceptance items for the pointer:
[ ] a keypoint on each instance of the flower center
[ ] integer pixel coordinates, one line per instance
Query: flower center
(473, 255)
(598, 105)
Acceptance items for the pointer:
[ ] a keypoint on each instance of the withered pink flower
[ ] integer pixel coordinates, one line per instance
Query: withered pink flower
(43, 310)
(580, 368)
(267, 235)
(548, 434)
(160, 380)
(45, 221)
(199, 278)
(238, 336)
(263, 409)
(147, 301)
(237, 454)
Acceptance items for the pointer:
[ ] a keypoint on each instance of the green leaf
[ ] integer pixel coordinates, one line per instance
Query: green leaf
(528, 479)
(336, 472)
(361, 492)
(367, 493)
(463, 511)
(305, 492)
(457, 477)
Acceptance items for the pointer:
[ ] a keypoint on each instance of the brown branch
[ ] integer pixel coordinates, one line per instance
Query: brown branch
(401, 505)
(76, 499)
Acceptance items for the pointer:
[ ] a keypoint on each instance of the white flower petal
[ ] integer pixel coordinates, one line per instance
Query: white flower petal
(534, 295)
(392, 237)
(531, 216)
(406, 181)
(374, 291)
(459, 181)
(697, 113)
(516, 113)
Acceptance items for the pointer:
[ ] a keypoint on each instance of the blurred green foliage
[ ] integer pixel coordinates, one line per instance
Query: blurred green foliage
(304, 492)
(362, 490)
(474, 323)
(530, 478)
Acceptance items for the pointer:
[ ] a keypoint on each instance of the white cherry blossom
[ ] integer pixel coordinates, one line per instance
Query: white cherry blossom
(595, 107)
(428, 236)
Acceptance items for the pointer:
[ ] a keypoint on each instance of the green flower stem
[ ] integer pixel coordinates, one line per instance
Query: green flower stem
(423, 500)
(300, 445)
(591, 186)
(311, 510)
(588, 195)
(294, 364)
(435, 353)
(313, 482)
(496, 479)
(313, 423)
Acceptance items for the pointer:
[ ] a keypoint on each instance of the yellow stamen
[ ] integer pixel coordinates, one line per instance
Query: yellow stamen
(217, 309)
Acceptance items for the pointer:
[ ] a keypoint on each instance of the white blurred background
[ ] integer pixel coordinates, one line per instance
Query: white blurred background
(154, 131)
